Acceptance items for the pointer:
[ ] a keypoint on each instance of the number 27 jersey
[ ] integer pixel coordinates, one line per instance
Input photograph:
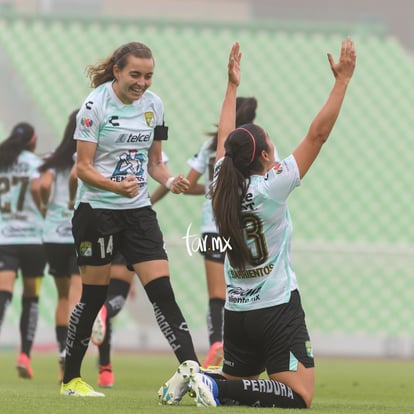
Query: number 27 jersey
(20, 220)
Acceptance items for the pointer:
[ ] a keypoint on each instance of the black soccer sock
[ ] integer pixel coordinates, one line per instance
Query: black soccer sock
(258, 393)
(215, 320)
(170, 319)
(28, 323)
(80, 328)
(117, 294)
(105, 348)
(5, 299)
(61, 334)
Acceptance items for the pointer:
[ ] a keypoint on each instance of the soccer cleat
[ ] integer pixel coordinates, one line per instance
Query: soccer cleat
(106, 377)
(24, 370)
(99, 327)
(205, 390)
(78, 388)
(175, 388)
(213, 372)
(214, 356)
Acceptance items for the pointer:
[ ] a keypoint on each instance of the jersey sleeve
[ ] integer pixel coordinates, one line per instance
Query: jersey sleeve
(158, 110)
(88, 120)
(283, 178)
(199, 161)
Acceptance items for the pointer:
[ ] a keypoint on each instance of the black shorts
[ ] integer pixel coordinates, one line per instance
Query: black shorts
(102, 233)
(62, 259)
(118, 259)
(211, 248)
(29, 258)
(272, 339)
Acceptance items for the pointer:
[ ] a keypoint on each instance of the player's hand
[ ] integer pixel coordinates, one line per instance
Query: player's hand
(234, 64)
(129, 187)
(344, 68)
(179, 185)
(71, 205)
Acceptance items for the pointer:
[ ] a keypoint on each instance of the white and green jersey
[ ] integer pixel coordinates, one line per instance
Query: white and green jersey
(203, 162)
(20, 219)
(123, 134)
(58, 220)
(269, 278)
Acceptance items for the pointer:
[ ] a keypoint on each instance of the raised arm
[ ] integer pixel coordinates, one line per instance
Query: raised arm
(227, 120)
(307, 151)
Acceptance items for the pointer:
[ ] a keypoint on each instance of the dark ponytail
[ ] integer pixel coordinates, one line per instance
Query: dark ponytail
(242, 159)
(22, 137)
(245, 114)
(62, 156)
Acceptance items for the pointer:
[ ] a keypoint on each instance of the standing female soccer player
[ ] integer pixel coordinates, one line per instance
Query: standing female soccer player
(119, 287)
(57, 232)
(202, 163)
(264, 323)
(119, 131)
(21, 223)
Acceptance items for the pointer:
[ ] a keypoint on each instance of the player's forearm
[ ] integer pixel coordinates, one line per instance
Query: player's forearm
(88, 174)
(159, 172)
(325, 120)
(227, 121)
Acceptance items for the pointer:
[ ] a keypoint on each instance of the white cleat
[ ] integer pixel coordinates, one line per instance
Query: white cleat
(205, 390)
(176, 387)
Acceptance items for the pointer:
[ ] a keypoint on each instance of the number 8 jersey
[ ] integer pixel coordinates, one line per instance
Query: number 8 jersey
(268, 277)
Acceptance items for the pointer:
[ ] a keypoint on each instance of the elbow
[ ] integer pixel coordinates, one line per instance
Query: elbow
(73, 174)
(320, 136)
(81, 171)
(44, 188)
(151, 172)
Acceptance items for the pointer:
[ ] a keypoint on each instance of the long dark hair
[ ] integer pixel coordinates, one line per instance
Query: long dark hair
(245, 114)
(22, 137)
(243, 148)
(104, 71)
(62, 156)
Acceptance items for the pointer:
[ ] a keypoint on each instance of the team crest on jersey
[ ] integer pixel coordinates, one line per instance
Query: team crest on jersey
(86, 249)
(86, 122)
(130, 163)
(150, 119)
(278, 168)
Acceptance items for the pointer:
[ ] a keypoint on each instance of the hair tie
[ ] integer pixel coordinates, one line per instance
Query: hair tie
(253, 140)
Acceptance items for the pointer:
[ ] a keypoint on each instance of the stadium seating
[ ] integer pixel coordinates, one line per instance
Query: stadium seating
(353, 215)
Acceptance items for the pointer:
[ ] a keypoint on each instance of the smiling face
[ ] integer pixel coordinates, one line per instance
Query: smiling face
(133, 79)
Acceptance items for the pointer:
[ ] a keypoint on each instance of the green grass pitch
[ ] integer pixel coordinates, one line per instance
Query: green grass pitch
(342, 386)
